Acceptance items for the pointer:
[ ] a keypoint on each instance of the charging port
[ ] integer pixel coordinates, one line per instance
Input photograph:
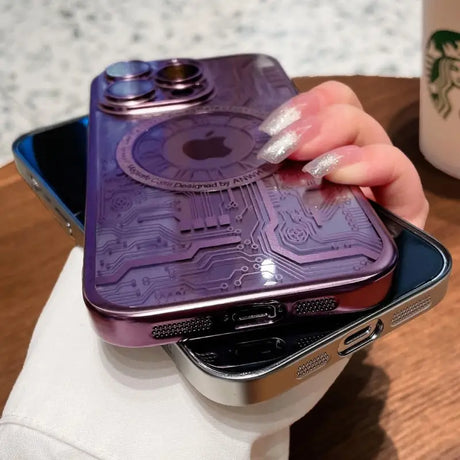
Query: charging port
(360, 338)
(255, 351)
(258, 314)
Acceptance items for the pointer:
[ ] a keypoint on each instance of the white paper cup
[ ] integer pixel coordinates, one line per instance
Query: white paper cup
(440, 85)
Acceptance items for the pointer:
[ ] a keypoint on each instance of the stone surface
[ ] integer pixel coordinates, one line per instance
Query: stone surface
(49, 51)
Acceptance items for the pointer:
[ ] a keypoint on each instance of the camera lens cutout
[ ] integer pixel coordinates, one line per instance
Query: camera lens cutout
(128, 90)
(125, 70)
(179, 72)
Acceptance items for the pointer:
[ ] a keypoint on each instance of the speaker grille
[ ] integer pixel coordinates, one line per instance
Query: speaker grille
(208, 357)
(411, 310)
(180, 328)
(308, 340)
(311, 366)
(321, 304)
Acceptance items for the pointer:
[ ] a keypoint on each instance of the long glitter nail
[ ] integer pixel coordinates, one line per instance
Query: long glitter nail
(280, 119)
(322, 165)
(304, 105)
(279, 148)
(333, 160)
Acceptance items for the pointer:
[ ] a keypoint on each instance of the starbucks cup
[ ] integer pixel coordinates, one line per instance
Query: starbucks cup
(440, 85)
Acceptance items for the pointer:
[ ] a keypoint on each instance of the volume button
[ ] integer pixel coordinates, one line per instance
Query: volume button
(35, 184)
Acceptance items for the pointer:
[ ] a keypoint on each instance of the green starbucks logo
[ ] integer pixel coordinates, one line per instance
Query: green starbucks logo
(442, 60)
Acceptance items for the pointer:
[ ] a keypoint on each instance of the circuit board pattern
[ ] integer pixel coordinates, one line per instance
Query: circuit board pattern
(157, 245)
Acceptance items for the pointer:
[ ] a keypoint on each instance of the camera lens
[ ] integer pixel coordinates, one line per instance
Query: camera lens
(179, 72)
(127, 70)
(127, 90)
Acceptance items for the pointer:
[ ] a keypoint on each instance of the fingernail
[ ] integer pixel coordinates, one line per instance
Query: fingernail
(279, 147)
(280, 119)
(331, 161)
(288, 113)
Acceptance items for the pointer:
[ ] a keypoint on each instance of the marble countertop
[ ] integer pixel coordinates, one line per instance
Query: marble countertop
(50, 51)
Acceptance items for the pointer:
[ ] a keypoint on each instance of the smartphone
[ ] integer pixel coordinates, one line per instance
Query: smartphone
(188, 233)
(52, 161)
(248, 367)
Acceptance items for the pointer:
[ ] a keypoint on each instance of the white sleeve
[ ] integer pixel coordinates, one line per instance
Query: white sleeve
(78, 397)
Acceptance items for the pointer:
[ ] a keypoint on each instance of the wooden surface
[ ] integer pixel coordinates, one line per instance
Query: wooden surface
(401, 399)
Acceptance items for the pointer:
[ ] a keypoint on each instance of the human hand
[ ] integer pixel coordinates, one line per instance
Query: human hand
(328, 127)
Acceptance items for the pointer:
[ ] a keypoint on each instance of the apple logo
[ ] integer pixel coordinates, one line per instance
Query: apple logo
(209, 147)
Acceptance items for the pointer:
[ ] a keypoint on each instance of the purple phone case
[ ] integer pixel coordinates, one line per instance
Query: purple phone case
(188, 233)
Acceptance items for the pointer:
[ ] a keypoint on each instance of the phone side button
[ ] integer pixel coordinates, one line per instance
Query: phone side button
(35, 184)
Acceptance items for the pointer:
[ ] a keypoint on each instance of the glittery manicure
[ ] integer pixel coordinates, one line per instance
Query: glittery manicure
(333, 160)
(280, 147)
(303, 105)
(280, 119)
(322, 165)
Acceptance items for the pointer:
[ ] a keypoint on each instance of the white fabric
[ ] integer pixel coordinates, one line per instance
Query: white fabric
(79, 398)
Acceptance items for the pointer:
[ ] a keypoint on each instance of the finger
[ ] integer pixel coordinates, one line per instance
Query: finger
(308, 104)
(335, 126)
(392, 177)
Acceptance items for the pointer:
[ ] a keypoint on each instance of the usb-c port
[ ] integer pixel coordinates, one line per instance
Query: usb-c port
(258, 314)
(259, 350)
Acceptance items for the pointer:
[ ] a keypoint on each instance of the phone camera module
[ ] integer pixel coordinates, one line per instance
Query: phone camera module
(130, 90)
(179, 72)
(126, 70)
